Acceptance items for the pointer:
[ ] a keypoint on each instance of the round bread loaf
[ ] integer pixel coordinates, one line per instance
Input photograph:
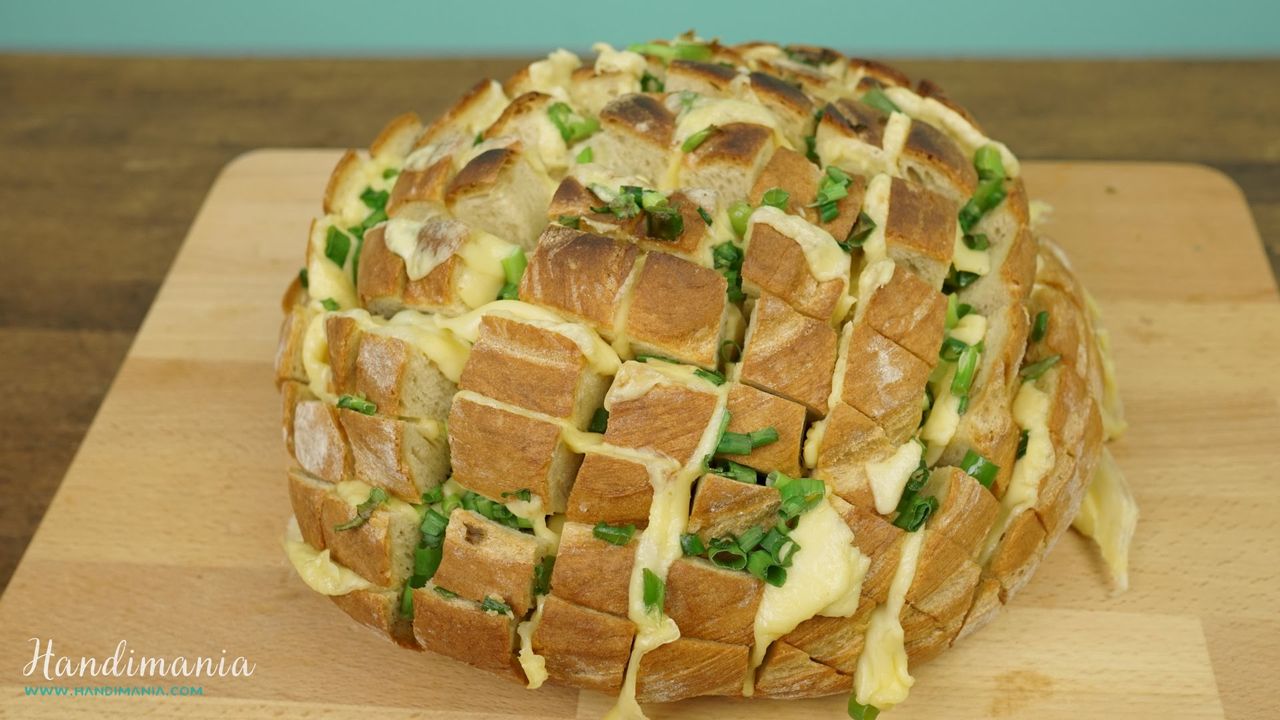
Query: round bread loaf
(696, 370)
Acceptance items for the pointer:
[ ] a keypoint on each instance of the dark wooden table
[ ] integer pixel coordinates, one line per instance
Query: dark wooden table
(105, 161)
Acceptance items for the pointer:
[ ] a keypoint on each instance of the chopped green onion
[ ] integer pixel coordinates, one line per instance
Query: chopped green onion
(725, 553)
(763, 436)
(952, 348)
(780, 546)
(727, 258)
(336, 246)
(837, 174)
(665, 223)
(859, 233)
(651, 83)
(509, 291)
(572, 127)
(492, 510)
(426, 560)
(570, 221)
(710, 376)
(1038, 368)
(732, 443)
(444, 592)
(495, 605)
(585, 156)
(614, 534)
(734, 471)
(953, 311)
(359, 404)
(978, 241)
(776, 197)
(451, 502)
(377, 496)
(390, 173)
(917, 512)
(375, 199)
(692, 142)
(739, 214)
(434, 523)
(478, 139)
(523, 494)
(513, 265)
(798, 494)
(1040, 326)
(963, 309)
(304, 279)
(980, 468)
(966, 368)
(876, 98)
(433, 496)
(654, 591)
(692, 545)
(1023, 439)
(751, 538)
(858, 711)
(676, 51)
(970, 214)
(776, 575)
(811, 149)
(758, 563)
(988, 163)
(599, 421)
(687, 99)
(706, 216)
(330, 304)
(542, 575)
(406, 600)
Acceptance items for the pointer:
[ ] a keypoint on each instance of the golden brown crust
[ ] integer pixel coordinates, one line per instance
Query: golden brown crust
(726, 508)
(557, 275)
(920, 232)
(404, 458)
(458, 628)
(677, 310)
(750, 410)
(591, 572)
(611, 490)
(908, 311)
(481, 558)
(667, 417)
(688, 668)
(712, 603)
(775, 264)
(789, 354)
(789, 673)
(379, 610)
(884, 382)
(595, 665)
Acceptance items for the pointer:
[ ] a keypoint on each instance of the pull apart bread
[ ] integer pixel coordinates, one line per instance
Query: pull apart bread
(698, 370)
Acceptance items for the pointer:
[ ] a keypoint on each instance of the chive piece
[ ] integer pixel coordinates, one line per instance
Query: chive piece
(811, 149)
(375, 199)
(523, 494)
(359, 404)
(665, 223)
(479, 138)
(798, 494)
(599, 421)
(734, 471)
(1040, 326)
(444, 592)
(725, 553)
(763, 436)
(542, 575)
(706, 216)
(739, 214)
(676, 51)
(450, 503)
(513, 266)
(406, 601)
(654, 592)
(989, 194)
(336, 246)
(710, 376)
(963, 309)
(434, 523)
(330, 304)
(988, 163)
(692, 545)
(687, 99)
(776, 575)
(858, 711)
(952, 348)
(780, 546)
(966, 367)
(977, 241)
(980, 468)
(304, 279)
(377, 496)
(776, 197)
(953, 312)
(917, 512)
(390, 173)
(650, 83)
(1038, 368)
(572, 127)
(426, 560)
(614, 534)
(750, 539)
(732, 443)
(1023, 439)
(970, 214)
(646, 357)
(876, 98)
(586, 156)
(433, 496)
(728, 260)
(692, 142)
(570, 221)
(495, 605)
(859, 233)
(509, 291)
(758, 563)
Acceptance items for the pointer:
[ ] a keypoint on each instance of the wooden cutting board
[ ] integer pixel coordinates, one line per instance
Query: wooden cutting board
(166, 530)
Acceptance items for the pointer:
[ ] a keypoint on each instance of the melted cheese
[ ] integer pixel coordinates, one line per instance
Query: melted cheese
(882, 678)
(944, 416)
(970, 329)
(325, 278)
(874, 276)
(553, 74)
(968, 260)
(859, 157)
(316, 569)
(889, 477)
(723, 111)
(315, 358)
(533, 511)
(822, 253)
(600, 356)
(875, 203)
(1110, 404)
(951, 122)
(825, 578)
(533, 664)
(482, 275)
(1109, 515)
(1031, 413)
(401, 238)
(609, 60)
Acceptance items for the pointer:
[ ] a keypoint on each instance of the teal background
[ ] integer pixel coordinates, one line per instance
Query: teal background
(1114, 28)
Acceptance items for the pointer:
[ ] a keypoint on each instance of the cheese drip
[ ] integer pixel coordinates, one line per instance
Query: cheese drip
(1031, 413)
(860, 157)
(882, 678)
(1109, 515)
(533, 664)
(952, 123)
(944, 416)
(480, 276)
(316, 568)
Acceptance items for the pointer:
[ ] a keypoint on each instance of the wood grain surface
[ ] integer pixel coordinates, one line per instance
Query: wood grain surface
(165, 532)
(106, 161)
